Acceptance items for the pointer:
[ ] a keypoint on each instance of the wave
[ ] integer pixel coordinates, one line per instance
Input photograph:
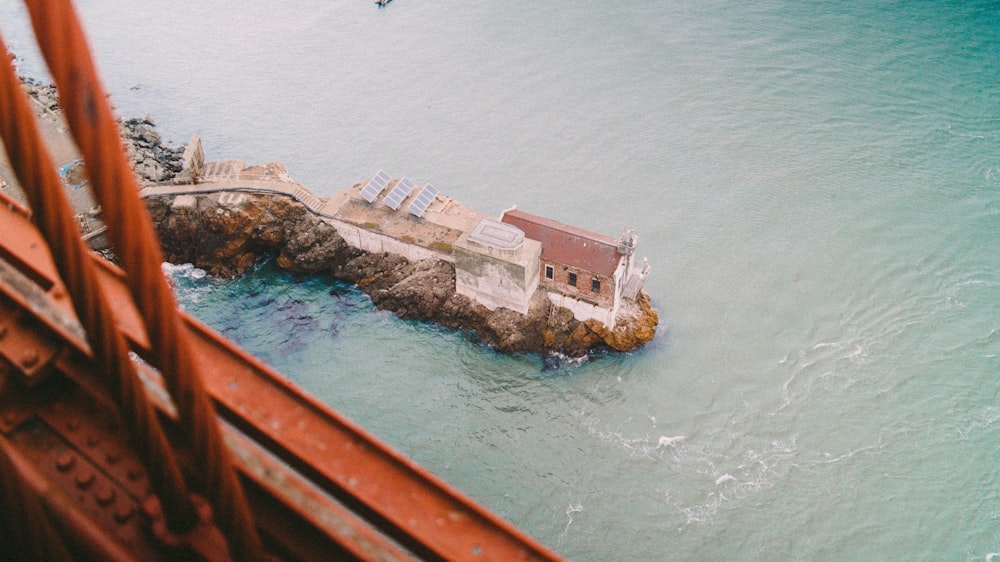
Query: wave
(670, 441)
(183, 271)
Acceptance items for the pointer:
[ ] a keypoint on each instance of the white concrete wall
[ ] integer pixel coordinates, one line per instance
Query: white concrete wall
(584, 310)
(494, 288)
(492, 297)
(373, 242)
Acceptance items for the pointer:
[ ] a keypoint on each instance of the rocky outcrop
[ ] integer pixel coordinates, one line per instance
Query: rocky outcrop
(425, 290)
(227, 235)
(227, 239)
(152, 160)
(44, 94)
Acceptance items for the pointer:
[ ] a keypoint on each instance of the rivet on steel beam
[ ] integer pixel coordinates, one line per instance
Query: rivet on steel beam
(105, 494)
(73, 424)
(85, 479)
(123, 512)
(152, 508)
(29, 358)
(133, 473)
(113, 457)
(65, 461)
(93, 439)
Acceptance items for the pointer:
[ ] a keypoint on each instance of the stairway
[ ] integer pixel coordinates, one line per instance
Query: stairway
(307, 198)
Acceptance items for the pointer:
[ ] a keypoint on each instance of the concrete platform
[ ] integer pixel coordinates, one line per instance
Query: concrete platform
(443, 222)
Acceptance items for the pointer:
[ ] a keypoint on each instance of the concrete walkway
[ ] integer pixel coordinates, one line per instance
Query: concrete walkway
(315, 204)
(225, 180)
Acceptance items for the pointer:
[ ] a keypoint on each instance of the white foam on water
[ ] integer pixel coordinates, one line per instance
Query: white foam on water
(184, 270)
(983, 419)
(725, 478)
(670, 441)
(570, 510)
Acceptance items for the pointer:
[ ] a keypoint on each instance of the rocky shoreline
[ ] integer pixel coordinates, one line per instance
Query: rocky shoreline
(227, 239)
(152, 160)
(229, 236)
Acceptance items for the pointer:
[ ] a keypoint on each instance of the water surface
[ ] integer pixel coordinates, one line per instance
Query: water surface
(817, 187)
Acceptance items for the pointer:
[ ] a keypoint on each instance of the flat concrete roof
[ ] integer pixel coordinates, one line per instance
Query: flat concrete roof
(495, 234)
(445, 220)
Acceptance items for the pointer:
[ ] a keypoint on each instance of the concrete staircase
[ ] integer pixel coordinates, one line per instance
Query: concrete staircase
(307, 198)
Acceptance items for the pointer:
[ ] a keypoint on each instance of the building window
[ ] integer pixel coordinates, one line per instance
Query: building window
(572, 279)
(595, 285)
(549, 272)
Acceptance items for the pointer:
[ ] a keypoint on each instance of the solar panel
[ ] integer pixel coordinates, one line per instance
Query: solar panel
(375, 186)
(403, 189)
(423, 200)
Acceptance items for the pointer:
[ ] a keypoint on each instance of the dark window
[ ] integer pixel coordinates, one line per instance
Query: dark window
(548, 272)
(572, 279)
(595, 285)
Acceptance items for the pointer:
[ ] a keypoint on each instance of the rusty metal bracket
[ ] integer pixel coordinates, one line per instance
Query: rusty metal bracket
(23, 343)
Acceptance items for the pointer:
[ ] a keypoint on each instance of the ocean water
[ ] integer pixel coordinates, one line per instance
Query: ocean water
(816, 186)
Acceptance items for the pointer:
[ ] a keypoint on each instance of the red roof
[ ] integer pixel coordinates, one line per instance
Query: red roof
(567, 244)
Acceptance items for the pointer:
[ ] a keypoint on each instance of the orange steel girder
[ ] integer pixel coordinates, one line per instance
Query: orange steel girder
(317, 482)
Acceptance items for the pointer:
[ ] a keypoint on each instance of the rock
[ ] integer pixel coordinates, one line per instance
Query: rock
(632, 333)
(227, 242)
(45, 94)
(144, 145)
(310, 246)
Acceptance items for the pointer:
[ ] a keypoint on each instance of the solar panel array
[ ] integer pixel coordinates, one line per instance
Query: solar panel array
(423, 200)
(403, 189)
(375, 186)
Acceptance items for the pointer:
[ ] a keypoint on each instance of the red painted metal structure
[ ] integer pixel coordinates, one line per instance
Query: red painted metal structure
(128, 430)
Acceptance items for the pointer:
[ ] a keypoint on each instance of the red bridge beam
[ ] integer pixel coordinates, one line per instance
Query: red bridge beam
(331, 455)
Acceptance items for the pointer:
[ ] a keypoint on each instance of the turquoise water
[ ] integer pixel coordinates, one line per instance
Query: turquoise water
(817, 187)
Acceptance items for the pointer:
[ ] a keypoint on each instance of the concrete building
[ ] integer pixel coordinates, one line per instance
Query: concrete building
(498, 263)
(497, 266)
(588, 273)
